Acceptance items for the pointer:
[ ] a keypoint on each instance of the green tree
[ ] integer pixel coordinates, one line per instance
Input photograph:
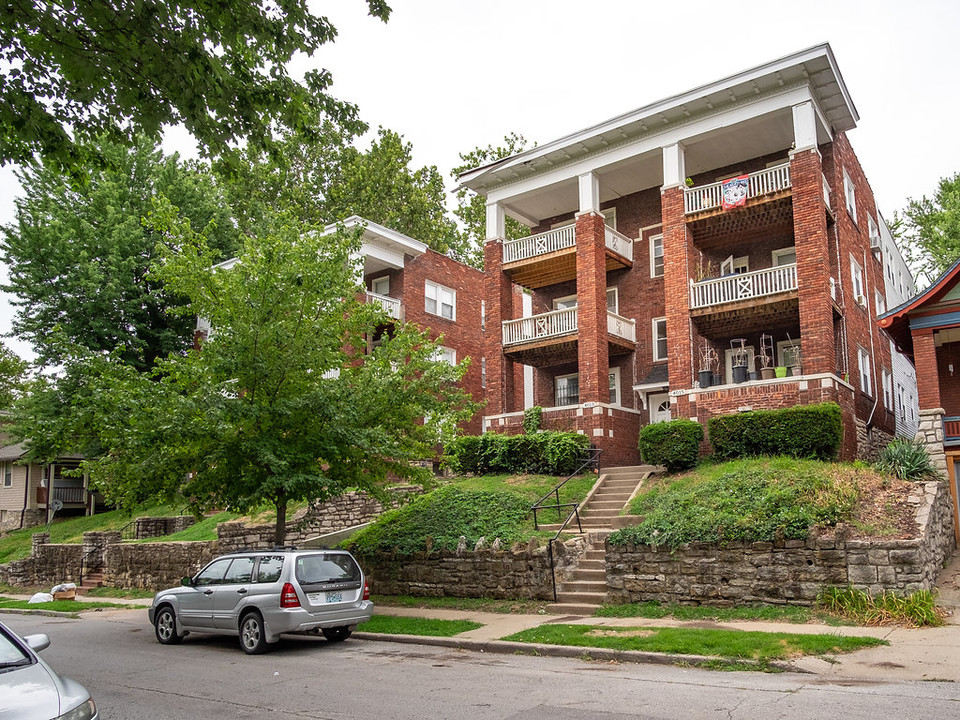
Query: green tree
(13, 376)
(78, 255)
(931, 228)
(125, 67)
(471, 208)
(282, 402)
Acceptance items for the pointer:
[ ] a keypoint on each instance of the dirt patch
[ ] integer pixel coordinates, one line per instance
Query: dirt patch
(882, 511)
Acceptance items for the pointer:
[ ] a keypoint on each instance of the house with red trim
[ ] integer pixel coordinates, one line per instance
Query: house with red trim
(714, 252)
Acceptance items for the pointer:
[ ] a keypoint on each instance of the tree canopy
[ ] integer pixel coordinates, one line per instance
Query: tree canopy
(13, 376)
(931, 227)
(123, 67)
(78, 254)
(282, 402)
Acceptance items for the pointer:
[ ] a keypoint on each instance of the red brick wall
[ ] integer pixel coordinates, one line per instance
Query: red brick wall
(593, 355)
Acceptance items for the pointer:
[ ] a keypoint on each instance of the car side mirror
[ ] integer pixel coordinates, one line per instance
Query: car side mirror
(188, 581)
(37, 642)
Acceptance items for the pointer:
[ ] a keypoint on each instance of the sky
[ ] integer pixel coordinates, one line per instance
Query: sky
(451, 75)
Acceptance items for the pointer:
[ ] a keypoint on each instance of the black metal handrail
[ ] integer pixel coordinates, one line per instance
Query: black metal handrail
(83, 561)
(592, 459)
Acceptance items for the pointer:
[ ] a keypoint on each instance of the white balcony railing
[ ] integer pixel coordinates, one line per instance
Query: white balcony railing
(826, 191)
(619, 243)
(540, 327)
(390, 305)
(743, 287)
(707, 197)
(558, 323)
(542, 244)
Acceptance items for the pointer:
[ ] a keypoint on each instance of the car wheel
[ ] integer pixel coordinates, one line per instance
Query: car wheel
(337, 634)
(165, 625)
(253, 635)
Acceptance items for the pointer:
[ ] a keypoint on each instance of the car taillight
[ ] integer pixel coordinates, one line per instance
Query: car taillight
(366, 590)
(288, 597)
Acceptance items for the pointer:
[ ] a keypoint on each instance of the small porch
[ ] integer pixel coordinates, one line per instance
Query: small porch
(551, 338)
(551, 257)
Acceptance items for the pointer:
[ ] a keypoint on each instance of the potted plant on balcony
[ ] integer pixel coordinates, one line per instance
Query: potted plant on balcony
(767, 371)
(708, 358)
(739, 360)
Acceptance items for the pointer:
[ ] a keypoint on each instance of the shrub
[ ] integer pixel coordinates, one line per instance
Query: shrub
(804, 431)
(531, 419)
(907, 460)
(918, 609)
(548, 453)
(674, 444)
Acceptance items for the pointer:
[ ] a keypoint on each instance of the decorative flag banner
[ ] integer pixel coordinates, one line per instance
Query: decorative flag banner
(734, 192)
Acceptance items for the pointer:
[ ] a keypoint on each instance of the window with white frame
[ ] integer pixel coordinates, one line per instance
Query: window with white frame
(483, 372)
(567, 390)
(565, 303)
(8, 474)
(850, 193)
(856, 275)
(447, 355)
(659, 339)
(863, 361)
(483, 316)
(880, 301)
(656, 256)
(784, 256)
(900, 403)
(887, 380)
(380, 285)
(874, 231)
(615, 386)
(789, 353)
(440, 300)
(613, 300)
(735, 266)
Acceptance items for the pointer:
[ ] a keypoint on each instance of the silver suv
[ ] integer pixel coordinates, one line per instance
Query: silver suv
(260, 594)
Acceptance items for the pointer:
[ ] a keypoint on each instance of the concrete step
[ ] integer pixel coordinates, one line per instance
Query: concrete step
(578, 587)
(582, 574)
(576, 609)
(584, 598)
(603, 504)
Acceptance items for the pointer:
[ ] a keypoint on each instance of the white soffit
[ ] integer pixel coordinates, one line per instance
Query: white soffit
(815, 69)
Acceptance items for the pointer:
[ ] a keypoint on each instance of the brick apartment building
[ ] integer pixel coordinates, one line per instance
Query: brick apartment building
(637, 274)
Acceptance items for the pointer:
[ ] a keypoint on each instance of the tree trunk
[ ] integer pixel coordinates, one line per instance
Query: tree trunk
(280, 531)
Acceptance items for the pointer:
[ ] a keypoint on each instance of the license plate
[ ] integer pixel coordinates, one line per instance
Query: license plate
(334, 597)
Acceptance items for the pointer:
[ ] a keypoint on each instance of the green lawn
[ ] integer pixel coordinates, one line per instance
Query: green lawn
(491, 605)
(425, 627)
(764, 613)
(731, 644)
(67, 606)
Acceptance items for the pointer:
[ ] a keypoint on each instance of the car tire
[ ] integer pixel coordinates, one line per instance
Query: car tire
(337, 634)
(165, 626)
(253, 634)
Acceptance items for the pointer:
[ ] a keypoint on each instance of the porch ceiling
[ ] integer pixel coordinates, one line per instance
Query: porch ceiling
(548, 353)
(747, 317)
(714, 228)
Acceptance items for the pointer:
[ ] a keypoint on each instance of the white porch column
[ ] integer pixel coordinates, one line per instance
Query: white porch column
(589, 185)
(496, 222)
(674, 167)
(804, 126)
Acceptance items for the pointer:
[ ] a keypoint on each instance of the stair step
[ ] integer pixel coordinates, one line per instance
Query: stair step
(588, 575)
(587, 598)
(578, 587)
(578, 609)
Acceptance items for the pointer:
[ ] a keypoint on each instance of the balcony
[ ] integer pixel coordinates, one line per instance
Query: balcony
(391, 306)
(753, 301)
(759, 284)
(551, 257)
(765, 184)
(552, 337)
(66, 495)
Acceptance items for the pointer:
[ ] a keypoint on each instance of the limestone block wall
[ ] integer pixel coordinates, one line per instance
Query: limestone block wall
(154, 566)
(790, 572)
(151, 527)
(48, 564)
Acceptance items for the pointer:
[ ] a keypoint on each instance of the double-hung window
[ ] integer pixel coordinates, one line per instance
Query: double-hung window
(656, 256)
(659, 339)
(7, 475)
(850, 194)
(856, 275)
(440, 300)
(863, 359)
(447, 355)
(567, 390)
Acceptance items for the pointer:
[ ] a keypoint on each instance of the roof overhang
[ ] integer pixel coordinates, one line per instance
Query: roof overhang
(382, 248)
(934, 308)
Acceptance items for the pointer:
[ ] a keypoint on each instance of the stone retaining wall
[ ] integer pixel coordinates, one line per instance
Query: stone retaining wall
(151, 527)
(790, 572)
(48, 564)
(154, 566)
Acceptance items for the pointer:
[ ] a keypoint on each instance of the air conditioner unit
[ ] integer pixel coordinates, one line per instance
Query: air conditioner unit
(874, 242)
(862, 300)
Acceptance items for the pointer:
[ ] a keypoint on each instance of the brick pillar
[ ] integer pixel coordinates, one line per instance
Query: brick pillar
(928, 377)
(593, 354)
(678, 257)
(500, 393)
(817, 341)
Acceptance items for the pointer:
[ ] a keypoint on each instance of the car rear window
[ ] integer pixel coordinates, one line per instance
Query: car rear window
(270, 567)
(327, 568)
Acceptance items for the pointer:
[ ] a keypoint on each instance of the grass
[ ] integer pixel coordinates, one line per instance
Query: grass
(762, 613)
(916, 609)
(530, 487)
(425, 627)
(115, 592)
(67, 606)
(205, 530)
(732, 644)
(491, 605)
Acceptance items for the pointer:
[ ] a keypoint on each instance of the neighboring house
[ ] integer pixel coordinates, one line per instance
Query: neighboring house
(927, 329)
(730, 225)
(29, 491)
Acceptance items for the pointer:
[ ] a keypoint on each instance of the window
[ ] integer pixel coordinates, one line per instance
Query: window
(900, 403)
(440, 301)
(863, 360)
(269, 569)
(874, 231)
(613, 300)
(784, 256)
(565, 303)
(483, 316)
(887, 389)
(240, 571)
(881, 303)
(659, 339)
(856, 274)
(213, 573)
(447, 355)
(789, 353)
(483, 372)
(850, 193)
(7, 475)
(380, 285)
(656, 256)
(567, 390)
(615, 386)
(735, 266)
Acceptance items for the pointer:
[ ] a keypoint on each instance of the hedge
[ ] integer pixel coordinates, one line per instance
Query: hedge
(674, 444)
(804, 431)
(547, 453)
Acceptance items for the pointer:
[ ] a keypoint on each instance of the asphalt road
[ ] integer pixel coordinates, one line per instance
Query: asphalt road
(115, 655)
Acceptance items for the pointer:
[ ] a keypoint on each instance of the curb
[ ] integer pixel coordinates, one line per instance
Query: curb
(504, 647)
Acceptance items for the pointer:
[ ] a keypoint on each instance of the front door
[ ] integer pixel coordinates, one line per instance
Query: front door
(659, 405)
